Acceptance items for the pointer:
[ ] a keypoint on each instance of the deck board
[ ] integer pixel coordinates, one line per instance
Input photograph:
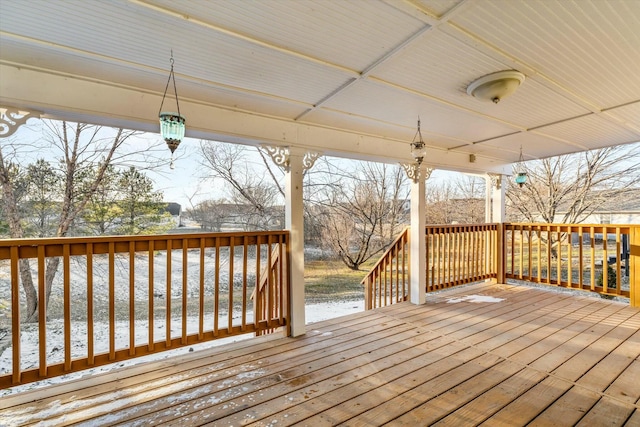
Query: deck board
(535, 356)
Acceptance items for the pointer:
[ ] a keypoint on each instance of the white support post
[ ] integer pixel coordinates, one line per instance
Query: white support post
(495, 198)
(417, 249)
(294, 221)
(488, 198)
(498, 213)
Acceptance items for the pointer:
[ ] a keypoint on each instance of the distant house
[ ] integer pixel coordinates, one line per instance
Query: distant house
(176, 212)
(622, 209)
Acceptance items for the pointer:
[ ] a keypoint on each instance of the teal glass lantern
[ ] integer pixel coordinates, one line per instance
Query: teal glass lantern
(521, 178)
(172, 127)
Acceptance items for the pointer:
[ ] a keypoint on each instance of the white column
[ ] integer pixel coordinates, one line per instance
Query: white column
(294, 221)
(488, 198)
(495, 198)
(498, 213)
(417, 249)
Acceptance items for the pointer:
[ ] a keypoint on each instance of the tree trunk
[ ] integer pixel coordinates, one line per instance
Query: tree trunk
(51, 270)
(10, 208)
(31, 312)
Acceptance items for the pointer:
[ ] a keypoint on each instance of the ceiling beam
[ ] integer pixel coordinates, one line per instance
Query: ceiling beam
(76, 99)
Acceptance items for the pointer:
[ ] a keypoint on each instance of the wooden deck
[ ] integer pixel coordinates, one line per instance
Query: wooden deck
(535, 356)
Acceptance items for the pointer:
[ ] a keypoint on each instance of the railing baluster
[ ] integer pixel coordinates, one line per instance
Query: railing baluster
(581, 258)
(605, 261)
(216, 289)
(201, 290)
(529, 247)
(42, 313)
(132, 301)
(281, 281)
(90, 339)
(231, 263)
(151, 316)
(549, 243)
(257, 302)
(559, 257)
(112, 297)
(618, 263)
(428, 244)
(593, 258)
(167, 302)
(66, 284)
(570, 256)
(15, 316)
(244, 283)
(185, 291)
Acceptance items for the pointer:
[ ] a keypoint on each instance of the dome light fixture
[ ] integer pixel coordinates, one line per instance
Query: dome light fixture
(496, 86)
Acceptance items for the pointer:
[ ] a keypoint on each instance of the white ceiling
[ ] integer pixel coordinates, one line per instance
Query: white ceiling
(342, 77)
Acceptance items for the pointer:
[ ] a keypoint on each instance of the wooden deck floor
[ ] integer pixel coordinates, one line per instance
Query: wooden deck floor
(529, 356)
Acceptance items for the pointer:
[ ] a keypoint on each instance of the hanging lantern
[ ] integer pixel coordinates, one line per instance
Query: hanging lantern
(418, 148)
(521, 177)
(172, 124)
(172, 129)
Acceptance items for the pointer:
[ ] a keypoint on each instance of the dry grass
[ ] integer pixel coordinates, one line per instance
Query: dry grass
(333, 281)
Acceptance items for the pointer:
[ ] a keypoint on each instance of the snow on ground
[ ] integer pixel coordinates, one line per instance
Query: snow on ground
(29, 342)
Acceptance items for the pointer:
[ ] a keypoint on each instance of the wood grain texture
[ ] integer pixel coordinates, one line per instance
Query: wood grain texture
(531, 356)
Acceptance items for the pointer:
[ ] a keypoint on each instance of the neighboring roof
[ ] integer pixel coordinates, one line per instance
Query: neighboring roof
(627, 201)
(345, 78)
(174, 208)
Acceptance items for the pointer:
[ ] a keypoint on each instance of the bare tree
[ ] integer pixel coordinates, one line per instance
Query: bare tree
(363, 213)
(456, 200)
(355, 212)
(254, 186)
(569, 188)
(211, 214)
(80, 148)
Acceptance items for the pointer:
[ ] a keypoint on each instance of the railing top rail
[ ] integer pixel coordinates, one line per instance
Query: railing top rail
(124, 238)
(387, 252)
(28, 248)
(555, 225)
(478, 224)
(455, 228)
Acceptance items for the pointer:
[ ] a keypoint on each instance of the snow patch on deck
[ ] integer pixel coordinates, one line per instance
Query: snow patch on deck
(474, 298)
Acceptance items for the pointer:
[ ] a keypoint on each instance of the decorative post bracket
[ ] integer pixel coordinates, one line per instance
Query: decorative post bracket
(414, 173)
(12, 118)
(280, 156)
(496, 180)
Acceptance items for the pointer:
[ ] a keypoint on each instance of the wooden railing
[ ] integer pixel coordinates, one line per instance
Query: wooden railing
(388, 281)
(269, 297)
(122, 297)
(456, 255)
(589, 257)
(460, 254)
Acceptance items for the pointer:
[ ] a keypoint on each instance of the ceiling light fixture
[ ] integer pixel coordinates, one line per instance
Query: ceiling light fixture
(496, 86)
(172, 125)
